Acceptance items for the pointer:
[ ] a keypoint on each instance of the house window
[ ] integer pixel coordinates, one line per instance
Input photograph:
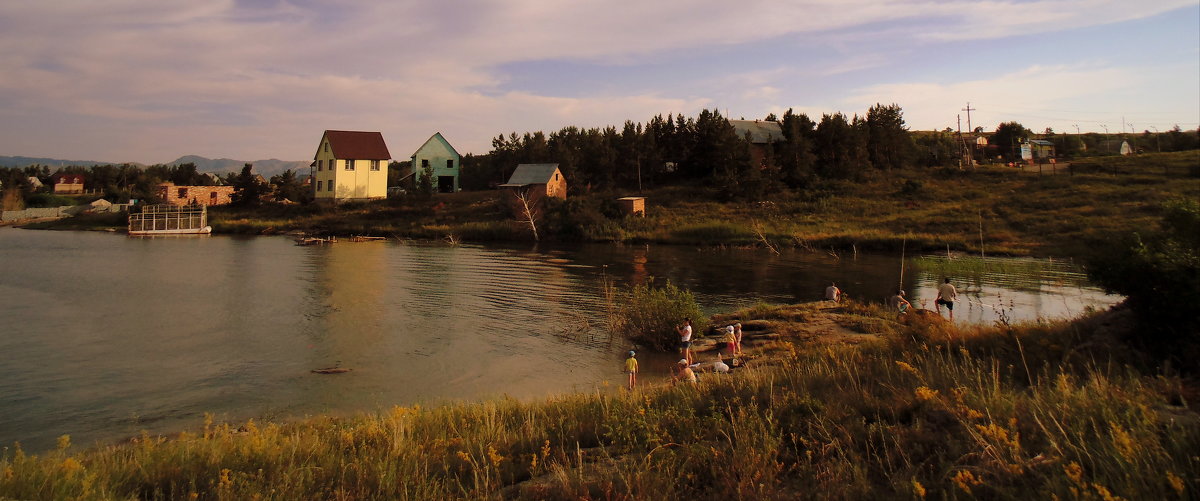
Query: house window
(449, 164)
(349, 164)
(319, 185)
(374, 164)
(320, 165)
(183, 193)
(424, 163)
(326, 147)
(212, 198)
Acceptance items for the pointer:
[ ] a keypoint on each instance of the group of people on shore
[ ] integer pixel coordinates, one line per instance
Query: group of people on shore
(947, 295)
(685, 369)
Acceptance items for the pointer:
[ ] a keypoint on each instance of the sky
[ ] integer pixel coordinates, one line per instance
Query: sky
(149, 81)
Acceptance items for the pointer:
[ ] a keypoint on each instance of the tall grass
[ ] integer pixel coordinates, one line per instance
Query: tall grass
(929, 412)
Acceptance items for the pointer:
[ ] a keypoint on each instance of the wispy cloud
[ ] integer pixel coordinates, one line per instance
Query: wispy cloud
(262, 78)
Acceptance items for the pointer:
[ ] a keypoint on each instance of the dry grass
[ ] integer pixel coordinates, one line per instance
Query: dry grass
(926, 411)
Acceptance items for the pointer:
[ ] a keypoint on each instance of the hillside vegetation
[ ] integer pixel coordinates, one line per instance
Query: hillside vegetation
(1018, 212)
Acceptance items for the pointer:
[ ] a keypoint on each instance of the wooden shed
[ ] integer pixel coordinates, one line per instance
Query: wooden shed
(633, 206)
(538, 180)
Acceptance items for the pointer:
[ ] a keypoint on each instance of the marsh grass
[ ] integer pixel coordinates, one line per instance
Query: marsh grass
(929, 411)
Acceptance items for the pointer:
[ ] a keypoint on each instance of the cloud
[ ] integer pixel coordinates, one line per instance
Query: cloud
(1039, 96)
(262, 78)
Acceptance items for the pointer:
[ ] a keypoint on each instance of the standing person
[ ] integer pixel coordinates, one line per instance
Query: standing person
(685, 340)
(898, 303)
(631, 368)
(730, 340)
(946, 296)
(737, 339)
(833, 293)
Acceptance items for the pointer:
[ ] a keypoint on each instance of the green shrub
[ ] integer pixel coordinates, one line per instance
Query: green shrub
(1159, 273)
(650, 314)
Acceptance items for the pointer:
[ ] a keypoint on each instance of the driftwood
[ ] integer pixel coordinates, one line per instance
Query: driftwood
(330, 370)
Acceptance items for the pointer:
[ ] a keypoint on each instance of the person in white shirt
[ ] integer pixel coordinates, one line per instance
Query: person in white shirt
(946, 296)
(685, 340)
(833, 293)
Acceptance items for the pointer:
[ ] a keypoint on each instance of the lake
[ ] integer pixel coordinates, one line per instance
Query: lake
(104, 335)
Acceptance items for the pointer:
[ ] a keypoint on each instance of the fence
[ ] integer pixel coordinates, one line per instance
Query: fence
(55, 212)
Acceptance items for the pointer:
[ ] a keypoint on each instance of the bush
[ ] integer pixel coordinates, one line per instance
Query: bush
(650, 314)
(1160, 275)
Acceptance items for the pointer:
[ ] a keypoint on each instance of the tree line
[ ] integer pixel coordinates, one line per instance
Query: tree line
(669, 149)
(121, 183)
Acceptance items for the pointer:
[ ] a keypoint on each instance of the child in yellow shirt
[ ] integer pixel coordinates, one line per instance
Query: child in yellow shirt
(631, 368)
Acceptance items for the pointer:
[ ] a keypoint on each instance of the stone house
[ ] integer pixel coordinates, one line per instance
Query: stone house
(194, 195)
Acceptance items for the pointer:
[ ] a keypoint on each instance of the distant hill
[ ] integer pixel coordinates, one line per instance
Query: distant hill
(266, 168)
(53, 162)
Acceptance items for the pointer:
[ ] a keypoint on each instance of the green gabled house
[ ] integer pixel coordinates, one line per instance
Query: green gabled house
(445, 161)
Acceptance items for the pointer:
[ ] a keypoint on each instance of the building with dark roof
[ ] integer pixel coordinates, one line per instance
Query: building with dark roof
(762, 133)
(350, 165)
(538, 180)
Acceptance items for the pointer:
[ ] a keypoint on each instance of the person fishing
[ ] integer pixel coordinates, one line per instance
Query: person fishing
(946, 296)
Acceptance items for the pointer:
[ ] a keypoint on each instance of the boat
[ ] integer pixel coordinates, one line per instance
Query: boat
(167, 219)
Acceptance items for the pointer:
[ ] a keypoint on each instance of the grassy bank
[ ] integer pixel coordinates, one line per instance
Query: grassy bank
(919, 410)
(993, 210)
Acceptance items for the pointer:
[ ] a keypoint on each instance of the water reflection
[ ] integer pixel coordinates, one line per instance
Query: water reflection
(106, 335)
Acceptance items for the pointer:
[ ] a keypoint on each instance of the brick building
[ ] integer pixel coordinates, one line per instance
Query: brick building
(199, 195)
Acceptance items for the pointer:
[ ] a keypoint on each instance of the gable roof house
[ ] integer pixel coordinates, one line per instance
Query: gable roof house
(762, 134)
(441, 159)
(351, 165)
(538, 180)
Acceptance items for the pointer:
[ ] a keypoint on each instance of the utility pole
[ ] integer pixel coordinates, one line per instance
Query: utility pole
(969, 109)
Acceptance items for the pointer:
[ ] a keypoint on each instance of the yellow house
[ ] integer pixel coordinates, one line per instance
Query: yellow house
(350, 165)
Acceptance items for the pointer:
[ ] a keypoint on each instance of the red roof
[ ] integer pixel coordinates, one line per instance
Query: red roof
(68, 179)
(357, 145)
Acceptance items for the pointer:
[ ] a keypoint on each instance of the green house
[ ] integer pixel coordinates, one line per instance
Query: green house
(445, 162)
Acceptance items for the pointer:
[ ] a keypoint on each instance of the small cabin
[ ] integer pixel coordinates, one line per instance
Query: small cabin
(538, 180)
(633, 206)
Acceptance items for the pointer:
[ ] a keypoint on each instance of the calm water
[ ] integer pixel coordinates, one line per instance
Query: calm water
(102, 335)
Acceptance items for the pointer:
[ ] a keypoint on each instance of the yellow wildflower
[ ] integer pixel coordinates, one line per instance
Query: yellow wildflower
(464, 456)
(225, 482)
(973, 414)
(70, 465)
(918, 489)
(1176, 482)
(1122, 441)
(1102, 491)
(924, 393)
(64, 442)
(965, 479)
(908, 368)
(494, 456)
(1074, 472)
